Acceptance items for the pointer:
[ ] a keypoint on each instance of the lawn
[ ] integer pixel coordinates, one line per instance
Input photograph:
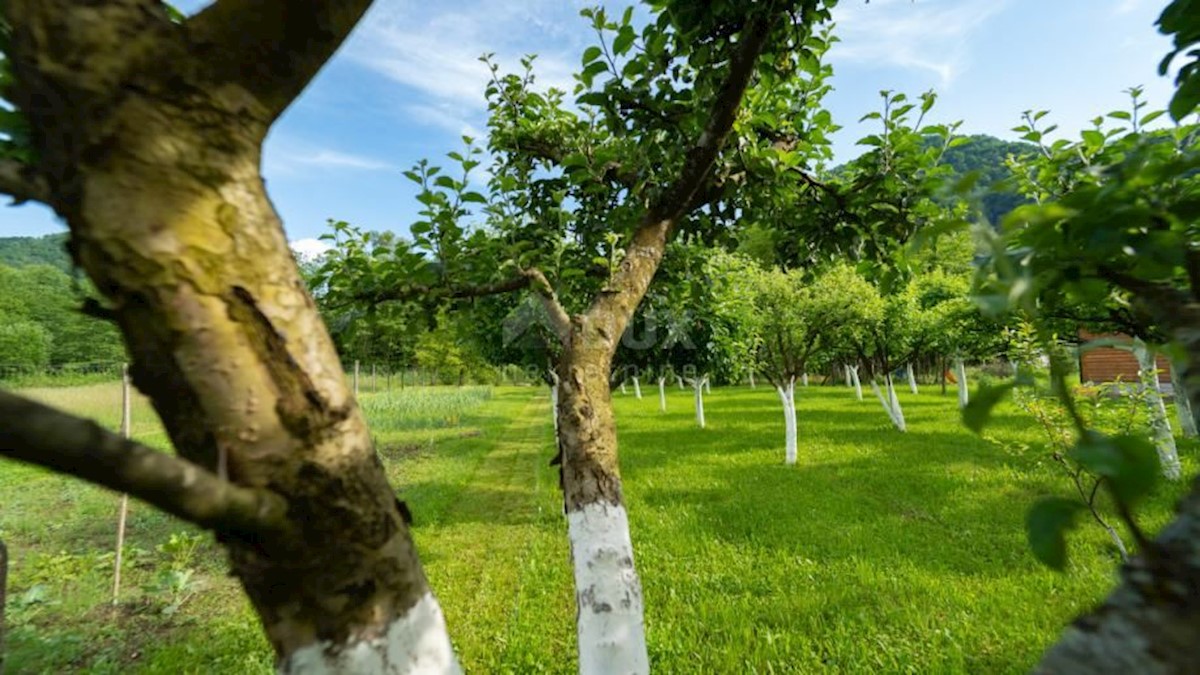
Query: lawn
(877, 552)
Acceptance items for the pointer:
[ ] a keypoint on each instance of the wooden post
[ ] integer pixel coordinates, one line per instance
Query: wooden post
(123, 511)
(355, 378)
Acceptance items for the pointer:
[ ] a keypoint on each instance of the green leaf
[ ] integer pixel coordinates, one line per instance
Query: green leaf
(976, 413)
(1046, 526)
(623, 41)
(591, 54)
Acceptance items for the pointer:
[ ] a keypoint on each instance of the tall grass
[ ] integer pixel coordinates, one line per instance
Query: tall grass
(421, 408)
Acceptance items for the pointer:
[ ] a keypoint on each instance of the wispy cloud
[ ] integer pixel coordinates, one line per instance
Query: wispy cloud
(434, 49)
(310, 248)
(295, 157)
(931, 36)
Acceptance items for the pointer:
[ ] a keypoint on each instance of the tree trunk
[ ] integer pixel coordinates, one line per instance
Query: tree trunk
(804, 379)
(152, 151)
(707, 385)
(912, 377)
(752, 385)
(895, 401)
(857, 383)
(964, 393)
(943, 377)
(1164, 440)
(637, 389)
(679, 381)
(787, 396)
(609, 620)
(662, 394)
(623, 387)
(698, 397)
(1183, 406)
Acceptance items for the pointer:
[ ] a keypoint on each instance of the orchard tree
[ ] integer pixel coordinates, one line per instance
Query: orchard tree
(1116, 210)
(143, 130)
(583, 199)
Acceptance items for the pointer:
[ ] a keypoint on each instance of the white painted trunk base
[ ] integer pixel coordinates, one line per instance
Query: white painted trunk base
(415, 644)
(1164, 440)
(912, 378)
(679, 381)
(896, 409)
(662, 394)
(890, 402)
(698, 394)
(610, 623)
(554, 407)
(857, 383)
(707, 386)
(752, 385)
(964, 394)
(787, 396)
(623, 390)
(637, 388)
(804, 379)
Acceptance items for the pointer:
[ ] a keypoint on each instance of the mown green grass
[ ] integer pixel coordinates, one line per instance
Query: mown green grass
(877, 552)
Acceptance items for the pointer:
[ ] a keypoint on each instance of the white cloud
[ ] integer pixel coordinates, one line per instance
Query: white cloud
(309, 249)
(289, 157)
(434, 48)
(930, 36)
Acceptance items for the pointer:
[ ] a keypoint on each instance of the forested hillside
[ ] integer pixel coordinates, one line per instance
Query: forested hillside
(48, 250)
(986, 154)
(40, 299)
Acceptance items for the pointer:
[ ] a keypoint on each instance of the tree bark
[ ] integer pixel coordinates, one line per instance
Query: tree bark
(752, 385)
(662, 394)
(148, 137)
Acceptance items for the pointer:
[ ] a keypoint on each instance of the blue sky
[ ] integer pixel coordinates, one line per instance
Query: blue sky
(407, 84)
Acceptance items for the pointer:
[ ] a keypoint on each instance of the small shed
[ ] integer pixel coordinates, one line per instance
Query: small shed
(1106, 364)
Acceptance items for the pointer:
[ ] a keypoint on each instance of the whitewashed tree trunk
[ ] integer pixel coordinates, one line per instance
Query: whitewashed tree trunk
(662, 394)
(752, 385)
(1183, 404)
(623, 390)
(611, 632)
(637, 388)
(895, 400)
(414, 644)
(964, 394)
(679, 381)
(1164, 440)
(912, 377)
(787, 396)
(846, 373)
(883, 400)
(804, 379)
(707, 385)
(698, 392)
(857, 383)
